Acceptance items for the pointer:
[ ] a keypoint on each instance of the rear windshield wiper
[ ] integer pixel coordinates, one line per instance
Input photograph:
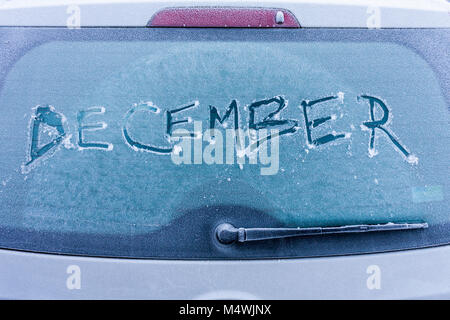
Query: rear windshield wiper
(227, 233)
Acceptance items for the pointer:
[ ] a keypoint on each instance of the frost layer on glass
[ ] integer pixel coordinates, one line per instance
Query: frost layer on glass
(98, 112)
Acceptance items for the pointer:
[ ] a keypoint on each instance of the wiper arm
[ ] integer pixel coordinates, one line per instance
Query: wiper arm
(227, 233)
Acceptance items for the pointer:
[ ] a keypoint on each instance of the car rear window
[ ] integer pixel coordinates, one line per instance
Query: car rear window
(106, 147)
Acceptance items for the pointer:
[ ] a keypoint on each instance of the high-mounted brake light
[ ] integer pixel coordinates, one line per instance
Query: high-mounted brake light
(224, 18)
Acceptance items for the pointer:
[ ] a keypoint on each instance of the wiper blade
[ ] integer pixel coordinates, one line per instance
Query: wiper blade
(227, 233)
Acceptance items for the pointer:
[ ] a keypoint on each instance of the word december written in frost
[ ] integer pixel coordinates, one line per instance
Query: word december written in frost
(49, 117)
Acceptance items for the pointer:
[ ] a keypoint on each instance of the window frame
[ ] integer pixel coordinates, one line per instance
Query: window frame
(191, 246)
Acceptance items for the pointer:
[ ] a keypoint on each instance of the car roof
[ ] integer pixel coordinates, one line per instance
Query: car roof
(310, 13)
